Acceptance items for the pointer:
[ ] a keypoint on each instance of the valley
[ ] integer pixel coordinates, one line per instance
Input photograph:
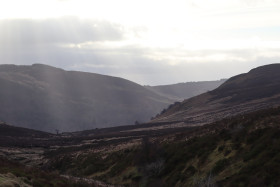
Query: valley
(51, 99)
(225, 137)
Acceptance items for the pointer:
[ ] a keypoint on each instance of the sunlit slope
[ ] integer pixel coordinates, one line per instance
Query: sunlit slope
(47, 98)
(257, 89)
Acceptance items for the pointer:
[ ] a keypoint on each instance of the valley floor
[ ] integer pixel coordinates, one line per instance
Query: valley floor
(239, 151)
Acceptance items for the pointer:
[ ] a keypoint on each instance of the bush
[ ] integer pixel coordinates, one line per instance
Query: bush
(220, 165)
(221, 148)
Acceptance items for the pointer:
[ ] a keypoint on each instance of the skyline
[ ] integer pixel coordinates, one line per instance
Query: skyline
(148, 42)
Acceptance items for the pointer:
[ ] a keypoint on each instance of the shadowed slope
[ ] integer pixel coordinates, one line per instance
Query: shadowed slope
(47, 98)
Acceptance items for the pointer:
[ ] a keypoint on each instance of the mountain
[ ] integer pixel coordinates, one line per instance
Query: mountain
(186, 90)
(47, 98)
(257, 89)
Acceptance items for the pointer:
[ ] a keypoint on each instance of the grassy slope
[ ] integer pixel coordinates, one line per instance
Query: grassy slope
(15, 174)
(241, 151)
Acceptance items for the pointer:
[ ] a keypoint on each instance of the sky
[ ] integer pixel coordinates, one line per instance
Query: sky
(151, 42)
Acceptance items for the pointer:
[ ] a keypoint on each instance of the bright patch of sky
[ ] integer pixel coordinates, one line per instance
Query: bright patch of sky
(149, 42)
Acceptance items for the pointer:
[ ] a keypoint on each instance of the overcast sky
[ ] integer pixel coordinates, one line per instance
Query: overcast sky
(150, 42)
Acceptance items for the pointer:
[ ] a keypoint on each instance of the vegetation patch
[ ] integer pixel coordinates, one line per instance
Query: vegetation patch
(240, 151)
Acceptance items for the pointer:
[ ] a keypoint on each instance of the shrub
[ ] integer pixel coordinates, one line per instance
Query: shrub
(220, 165)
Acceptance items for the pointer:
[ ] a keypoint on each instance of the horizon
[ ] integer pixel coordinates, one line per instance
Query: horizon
(150, 43)
(116, 76)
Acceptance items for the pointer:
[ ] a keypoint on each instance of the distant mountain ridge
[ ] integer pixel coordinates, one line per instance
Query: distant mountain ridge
(257, 89)
(185, 90)
(47, 98)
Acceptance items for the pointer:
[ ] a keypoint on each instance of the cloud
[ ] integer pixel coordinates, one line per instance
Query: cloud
(147, 55)
(163, 66)
(143, 65)
(28, 41)
(57, 31)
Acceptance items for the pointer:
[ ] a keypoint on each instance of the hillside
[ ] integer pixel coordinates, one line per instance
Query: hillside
(186, 90)
(10, 131)
(13, 174)
(47, 98)
(257, 89)
(238, 151)
(241, 151)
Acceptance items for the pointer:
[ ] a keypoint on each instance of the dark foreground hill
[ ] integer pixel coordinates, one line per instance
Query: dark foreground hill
(46, 98)
(13, 174)
(241, 151)
(19, 132)
(257, 89)
(11, 136)
(186, 90)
